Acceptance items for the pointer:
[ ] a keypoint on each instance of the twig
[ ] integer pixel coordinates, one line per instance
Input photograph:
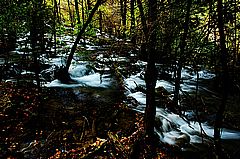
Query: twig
(83, 129)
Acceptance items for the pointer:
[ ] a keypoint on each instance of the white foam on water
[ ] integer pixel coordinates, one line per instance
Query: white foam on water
(170, 137)
(139, 96)
(57, 83)
(173, 127)
(187, 87)
(80, 69)
(93, 80)
(167, 85)
(58, 61)
(81, 74)
(191, 75)
(134, 81)
(91, 47)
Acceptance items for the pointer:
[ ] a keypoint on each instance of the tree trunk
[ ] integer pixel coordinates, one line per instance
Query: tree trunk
(235, 35)
(70, 14)
(56, 9)
(59, 11)
(36, 33)
(181, 58)
(132, 29)
(151, 71)
(123, 11)
(143, 19)
(70, 57)
(124, 18)
(150, 79)
(100, 22)
(54, 26)
(83, 16)
(89, 5)
(77, 13)
(224, 57)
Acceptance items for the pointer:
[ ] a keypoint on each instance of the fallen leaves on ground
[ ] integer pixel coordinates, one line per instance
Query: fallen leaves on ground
(17, 105)
(116, 146)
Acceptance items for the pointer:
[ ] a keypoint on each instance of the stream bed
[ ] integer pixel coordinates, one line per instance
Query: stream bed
(88, 108)
(172, 129)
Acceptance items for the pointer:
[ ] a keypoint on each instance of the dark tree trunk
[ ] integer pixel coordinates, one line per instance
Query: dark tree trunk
(11, 40)
(54, 26)
(224, 76)
(210, 21)
(56, 10)
(151, 71)
(143, 53)
(124, 18)
(100, 21)
(59, 11)
(143, 19)
(236, 36)
(132, 29)
(83, 14)
(70, 14)
(77, 13)
(181, 58)
(123, 11)
(36, 33)
(150, 79)
(89, 5)
(70, 57)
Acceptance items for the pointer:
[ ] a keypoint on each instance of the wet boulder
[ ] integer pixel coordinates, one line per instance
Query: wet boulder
(182, 140)
(63, 75)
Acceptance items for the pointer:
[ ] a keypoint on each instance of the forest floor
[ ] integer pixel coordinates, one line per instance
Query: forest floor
(38, 125)
(56, 124)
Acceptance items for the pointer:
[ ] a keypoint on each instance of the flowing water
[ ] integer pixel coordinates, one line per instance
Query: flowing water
(171, 128)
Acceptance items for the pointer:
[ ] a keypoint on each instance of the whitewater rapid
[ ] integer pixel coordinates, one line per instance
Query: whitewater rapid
(173, 127)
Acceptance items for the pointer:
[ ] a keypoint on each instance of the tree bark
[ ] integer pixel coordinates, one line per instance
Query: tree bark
(100, 21)
(70, 57)
(70, 14)
(143, 19)
(123, 11)
(151, 71)
(224, 75)
(124, 18)
(181, 58)
(56, 10)
(132, 29)
(77, 13)
(83, 14)
(36, 34)
(59, 11)
(89, 5)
